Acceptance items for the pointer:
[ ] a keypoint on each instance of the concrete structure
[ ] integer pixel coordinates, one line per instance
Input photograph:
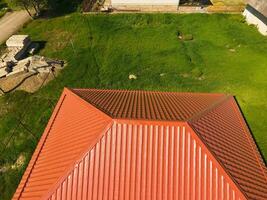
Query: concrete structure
(17, 46)
(256, 13)
(182, 6)
(18, 41)
(155, 5)
(117, 144)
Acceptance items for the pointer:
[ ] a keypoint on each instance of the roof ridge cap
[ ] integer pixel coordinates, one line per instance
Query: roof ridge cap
(208, 109)
(126, 120)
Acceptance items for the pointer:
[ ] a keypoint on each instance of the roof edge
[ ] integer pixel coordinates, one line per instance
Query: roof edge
(82, 153)
(152, 91)
(40, 145)
(221, 165)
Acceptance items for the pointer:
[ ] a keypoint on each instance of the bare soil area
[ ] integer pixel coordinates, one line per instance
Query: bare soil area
(11, 23)
(27, 81)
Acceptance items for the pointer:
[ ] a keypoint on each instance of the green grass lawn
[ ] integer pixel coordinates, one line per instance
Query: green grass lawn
(226, 56)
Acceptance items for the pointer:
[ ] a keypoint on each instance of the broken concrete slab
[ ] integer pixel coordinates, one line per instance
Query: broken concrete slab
(18, 41)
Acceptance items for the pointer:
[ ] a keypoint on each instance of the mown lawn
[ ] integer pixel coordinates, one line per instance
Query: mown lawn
(226, 56)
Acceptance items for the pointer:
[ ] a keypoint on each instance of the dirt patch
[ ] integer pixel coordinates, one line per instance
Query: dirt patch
(27, 81)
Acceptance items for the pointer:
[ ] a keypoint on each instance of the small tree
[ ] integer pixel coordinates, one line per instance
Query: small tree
(23, 4)
(37, 5)
(29, 4)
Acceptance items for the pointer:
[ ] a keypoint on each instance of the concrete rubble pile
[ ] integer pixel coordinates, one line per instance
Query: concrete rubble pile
(18, 46)
(36, 64)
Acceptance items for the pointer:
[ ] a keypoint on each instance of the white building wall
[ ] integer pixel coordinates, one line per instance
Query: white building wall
(145, 2)
(252, 19)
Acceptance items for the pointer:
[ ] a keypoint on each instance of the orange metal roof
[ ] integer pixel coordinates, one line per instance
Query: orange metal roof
(224, 130)
(113, 144)
(147, 160)
(148, 105)
(74, 126)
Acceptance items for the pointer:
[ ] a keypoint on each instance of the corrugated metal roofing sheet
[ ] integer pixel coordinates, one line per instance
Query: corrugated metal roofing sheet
(148, 105)
(75, 127)
(224, 130)
(145, 159)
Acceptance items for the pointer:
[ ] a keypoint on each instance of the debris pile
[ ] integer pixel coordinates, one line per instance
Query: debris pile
(12, 62)
(36, 64)
(21, 70)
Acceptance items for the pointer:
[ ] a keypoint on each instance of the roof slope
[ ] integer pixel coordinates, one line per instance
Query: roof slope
(90, 146)
(148, 105)
(74, 127)
(224, 130)
(215, 117)
(147, 160)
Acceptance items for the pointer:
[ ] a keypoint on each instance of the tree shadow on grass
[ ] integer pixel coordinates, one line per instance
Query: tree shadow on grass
(57, 8)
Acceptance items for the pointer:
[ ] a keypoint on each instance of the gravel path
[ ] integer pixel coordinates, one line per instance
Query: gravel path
(11, 23)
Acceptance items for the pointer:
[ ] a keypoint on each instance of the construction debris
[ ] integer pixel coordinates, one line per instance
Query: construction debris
(16, 60)
(12, 61)
(36, 63)
(17, 46)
